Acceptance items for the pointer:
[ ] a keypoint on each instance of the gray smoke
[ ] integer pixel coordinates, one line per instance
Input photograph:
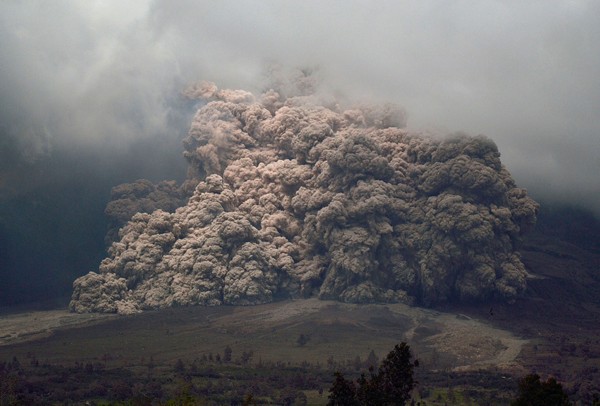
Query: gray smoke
(295, 196)
(141, 196)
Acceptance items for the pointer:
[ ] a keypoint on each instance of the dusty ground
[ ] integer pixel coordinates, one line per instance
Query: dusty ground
(441, 340)
(33, 325)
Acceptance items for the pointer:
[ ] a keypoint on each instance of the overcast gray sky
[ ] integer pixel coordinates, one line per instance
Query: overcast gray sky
(524, 73)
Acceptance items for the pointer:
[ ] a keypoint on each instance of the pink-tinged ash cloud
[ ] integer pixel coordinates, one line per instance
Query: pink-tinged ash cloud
(295, 197)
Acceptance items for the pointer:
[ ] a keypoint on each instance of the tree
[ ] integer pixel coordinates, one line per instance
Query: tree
(368, 391)
(179, 366)
(292, 397)
(246, 356)
(395, 377)
(534, 392)
(371, 360)
(342, 392)
(391, 385)
(302, 340)
(227, 354)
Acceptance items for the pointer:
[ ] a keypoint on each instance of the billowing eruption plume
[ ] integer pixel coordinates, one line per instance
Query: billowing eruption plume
(289, 198)
(141, 196)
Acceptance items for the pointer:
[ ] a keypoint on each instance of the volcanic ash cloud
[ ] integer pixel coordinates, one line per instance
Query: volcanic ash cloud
(291, 198)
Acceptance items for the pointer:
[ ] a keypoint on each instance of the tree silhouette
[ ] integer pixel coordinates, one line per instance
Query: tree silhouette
(534, 392)
(342, 392)
(227, 354)
(371, 360)
(391, 385)
(246, 357)
(395, 377)
(302, 340)
(369, 391)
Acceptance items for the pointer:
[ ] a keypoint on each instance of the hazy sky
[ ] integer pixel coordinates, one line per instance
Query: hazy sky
(104, 74)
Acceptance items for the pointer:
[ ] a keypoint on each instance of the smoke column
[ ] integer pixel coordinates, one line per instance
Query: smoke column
(292, 195)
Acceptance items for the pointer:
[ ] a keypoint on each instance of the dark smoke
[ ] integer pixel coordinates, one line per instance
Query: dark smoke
(295, 197)
(52, 220)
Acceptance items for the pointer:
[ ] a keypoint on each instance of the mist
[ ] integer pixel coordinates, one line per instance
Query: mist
(90, 97)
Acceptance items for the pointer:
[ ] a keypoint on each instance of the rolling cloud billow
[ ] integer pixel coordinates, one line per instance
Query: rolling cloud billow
(90, 98)
(297, 196)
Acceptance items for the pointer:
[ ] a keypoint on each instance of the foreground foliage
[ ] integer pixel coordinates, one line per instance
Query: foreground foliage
(534, 392)
(209, 380)
(391, 385)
